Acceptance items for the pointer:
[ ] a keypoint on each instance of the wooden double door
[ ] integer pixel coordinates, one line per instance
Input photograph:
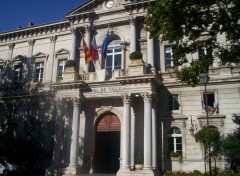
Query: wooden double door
(107, 144)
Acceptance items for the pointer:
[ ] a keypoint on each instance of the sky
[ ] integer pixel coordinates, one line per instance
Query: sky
(16, 13)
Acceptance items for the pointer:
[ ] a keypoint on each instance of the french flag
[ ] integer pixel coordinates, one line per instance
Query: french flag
(93, 49)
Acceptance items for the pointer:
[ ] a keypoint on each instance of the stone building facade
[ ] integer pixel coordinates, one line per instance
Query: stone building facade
(106, 112)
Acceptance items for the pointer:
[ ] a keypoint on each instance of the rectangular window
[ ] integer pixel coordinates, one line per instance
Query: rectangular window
(168, 57)
(114, 59)
(61, 67)
(39, 71)
(201, 52)
(173, 102)
(209, 102)
(18, 72)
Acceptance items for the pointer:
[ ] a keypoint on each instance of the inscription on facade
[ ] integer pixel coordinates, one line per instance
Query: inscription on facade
(103, 89)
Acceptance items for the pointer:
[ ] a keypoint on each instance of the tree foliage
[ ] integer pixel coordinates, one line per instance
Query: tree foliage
(208, 136)
(196, 25)
(231, 147)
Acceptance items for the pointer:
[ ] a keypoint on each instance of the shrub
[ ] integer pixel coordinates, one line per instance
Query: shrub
(139, 158)
(135, 55)
(70, 63)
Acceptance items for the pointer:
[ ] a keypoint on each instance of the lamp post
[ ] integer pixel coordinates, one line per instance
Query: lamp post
(204, 78)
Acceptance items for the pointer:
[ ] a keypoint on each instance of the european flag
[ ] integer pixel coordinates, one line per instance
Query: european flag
(105, 45)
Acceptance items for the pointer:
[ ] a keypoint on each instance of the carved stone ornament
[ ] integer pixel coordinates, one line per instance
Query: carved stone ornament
(73, 29)
(147, 96)
(53, 38)
(31, 42)
(76, 101)
(126, 98)
(11, 45)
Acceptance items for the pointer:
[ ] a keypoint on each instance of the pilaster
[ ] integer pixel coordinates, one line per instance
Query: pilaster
(133, 39)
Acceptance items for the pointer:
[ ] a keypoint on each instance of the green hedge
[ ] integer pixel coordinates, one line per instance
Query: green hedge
(135, 55)
(70, 63)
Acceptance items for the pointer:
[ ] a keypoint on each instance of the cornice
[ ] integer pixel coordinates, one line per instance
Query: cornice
(137, 4)
(67, 85)
(33, 31)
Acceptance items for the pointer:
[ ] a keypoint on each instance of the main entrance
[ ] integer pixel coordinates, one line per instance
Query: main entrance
(107, 144)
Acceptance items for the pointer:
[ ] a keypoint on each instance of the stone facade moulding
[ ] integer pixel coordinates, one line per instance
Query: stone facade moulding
(104, 109)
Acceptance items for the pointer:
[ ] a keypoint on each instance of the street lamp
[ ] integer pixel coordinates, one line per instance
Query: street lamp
(204, 78)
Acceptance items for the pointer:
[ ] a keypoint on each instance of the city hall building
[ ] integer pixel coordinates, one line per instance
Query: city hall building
(106, 112)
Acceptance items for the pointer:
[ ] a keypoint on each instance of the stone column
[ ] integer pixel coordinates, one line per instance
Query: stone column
(10, 50)
(132, 139)
(72, 168)
(30, 47)
(57, 153)
(124, 48)
(74, 40)
(147, 131)
(133, 45)
(154, 136)
(150, 51)
(126, 138)
(88, 40)
(50, 61)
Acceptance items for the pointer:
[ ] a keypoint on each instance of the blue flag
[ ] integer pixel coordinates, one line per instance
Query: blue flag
(105, 45)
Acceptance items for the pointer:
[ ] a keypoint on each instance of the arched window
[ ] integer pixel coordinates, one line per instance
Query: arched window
(114, 55)
(175, 140)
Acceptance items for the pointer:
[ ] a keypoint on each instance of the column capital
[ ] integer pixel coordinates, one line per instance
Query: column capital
(31, 42)
(73, 29)
(77, 101)
(11, 45)
(87, 28)
(132, 20)
(124, 45)
(126, 98)
(147, 96)
(53, 38)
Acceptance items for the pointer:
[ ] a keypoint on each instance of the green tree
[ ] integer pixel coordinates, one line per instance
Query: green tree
(194, 26)
(231, 147)
(209, 137)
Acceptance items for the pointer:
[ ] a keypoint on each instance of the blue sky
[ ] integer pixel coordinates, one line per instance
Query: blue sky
(15, 13)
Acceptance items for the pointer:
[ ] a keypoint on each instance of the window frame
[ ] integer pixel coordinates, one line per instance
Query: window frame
(63, 68)
(114, 54)
(175, 143)
(40, 78)
(214, 103)
(165, 58)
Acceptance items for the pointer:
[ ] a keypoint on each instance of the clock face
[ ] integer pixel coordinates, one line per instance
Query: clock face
(110, 4)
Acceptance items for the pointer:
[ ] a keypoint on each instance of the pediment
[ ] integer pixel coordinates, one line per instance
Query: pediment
(40, 55)
(1, 61)
(62, 51)
(19, 58)
(93, 6)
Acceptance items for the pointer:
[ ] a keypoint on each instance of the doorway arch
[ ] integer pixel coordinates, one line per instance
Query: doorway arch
(107, 143)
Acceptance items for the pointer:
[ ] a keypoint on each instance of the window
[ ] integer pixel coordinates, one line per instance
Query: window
(114, 59)
(39, 71)
(61, 67)
(204, 50)
(168, 57)
(18, 72)
(209, 102)
(173, 102)
(1, 69)
(175, 140)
